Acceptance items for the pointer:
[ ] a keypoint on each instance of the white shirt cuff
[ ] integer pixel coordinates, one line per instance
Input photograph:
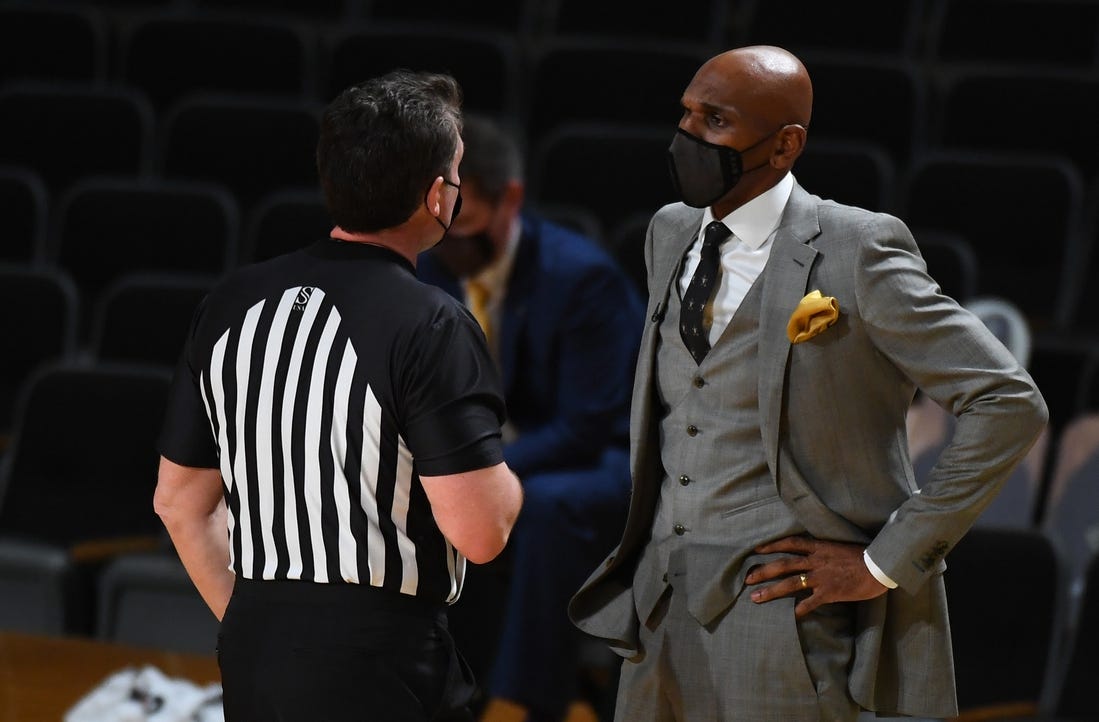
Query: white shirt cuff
(877, 572)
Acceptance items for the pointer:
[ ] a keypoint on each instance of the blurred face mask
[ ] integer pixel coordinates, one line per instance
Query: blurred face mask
(466, 256)
(702, 172)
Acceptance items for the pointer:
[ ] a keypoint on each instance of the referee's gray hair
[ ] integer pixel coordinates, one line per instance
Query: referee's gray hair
(383, 142)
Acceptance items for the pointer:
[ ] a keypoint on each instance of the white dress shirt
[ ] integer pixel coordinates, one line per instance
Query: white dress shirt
(743, 255)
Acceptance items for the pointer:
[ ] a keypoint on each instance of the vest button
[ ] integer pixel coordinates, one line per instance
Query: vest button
(699, 382)
(692, 430)
(684, 479)
(679, 529)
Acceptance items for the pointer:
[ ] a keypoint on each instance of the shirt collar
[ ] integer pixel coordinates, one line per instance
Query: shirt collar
(755, 221)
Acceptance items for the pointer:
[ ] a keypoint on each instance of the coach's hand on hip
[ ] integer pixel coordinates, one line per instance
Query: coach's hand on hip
(829, 571)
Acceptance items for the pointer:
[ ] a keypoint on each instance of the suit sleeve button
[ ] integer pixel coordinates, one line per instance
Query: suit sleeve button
(692, 430)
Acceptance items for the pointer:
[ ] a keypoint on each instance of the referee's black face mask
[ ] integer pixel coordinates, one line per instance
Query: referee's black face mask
(453, 214)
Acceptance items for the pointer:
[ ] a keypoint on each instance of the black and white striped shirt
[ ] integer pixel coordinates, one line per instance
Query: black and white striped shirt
(321, 384)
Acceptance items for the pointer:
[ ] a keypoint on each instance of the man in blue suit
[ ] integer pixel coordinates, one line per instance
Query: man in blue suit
(563, 323)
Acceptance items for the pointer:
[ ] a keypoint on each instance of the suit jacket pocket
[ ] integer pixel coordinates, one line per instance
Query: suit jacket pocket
(716, 570)
(755, 504)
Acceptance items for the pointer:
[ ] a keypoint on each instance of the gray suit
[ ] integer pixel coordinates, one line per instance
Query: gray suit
(831, 415)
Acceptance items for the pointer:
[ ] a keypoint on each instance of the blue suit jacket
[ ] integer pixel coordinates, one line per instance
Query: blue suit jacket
(570, 328)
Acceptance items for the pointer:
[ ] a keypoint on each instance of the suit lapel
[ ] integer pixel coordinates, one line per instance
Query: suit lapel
(513, 314)
(785, 281)
(669, 250)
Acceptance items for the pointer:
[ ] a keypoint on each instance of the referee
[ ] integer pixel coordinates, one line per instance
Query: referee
(331, 451)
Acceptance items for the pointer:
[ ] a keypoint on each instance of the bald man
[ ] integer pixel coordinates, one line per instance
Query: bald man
(778, 562)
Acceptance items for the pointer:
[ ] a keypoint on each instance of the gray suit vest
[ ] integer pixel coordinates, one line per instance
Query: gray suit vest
(718, 499)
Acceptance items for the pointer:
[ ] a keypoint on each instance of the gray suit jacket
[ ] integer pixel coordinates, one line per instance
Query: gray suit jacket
(832, 416)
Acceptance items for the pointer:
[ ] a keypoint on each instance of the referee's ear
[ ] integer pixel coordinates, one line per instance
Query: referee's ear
(434, 197)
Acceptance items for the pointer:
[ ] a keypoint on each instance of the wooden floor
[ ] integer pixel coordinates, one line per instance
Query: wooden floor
(41, 678)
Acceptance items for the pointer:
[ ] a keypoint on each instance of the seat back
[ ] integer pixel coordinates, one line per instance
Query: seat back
(697, 21)
(849, 172)
(999, 662)
(611, 170)
(239, 54)
(516, 16)
(254, 147)
(627, 245)
(968, 192)
(951, 261)
(485, 63)
(1065, 127)
(82, 465)
(76, 49)
(25, 201)
(1062, 367)
(144, 317)
(114, 135)
(147, 600)
(35, 586)
(1076, 697)
(1071, 517)
(841, 85)
(109, 227)
(282, 222)
(39, 330)
(1052, 33)
(648, 79)
(806, 26)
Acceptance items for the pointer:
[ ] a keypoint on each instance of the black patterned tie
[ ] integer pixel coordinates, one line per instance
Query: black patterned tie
(701, 289)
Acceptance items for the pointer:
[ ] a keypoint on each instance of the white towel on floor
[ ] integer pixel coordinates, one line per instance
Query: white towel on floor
(146, 695)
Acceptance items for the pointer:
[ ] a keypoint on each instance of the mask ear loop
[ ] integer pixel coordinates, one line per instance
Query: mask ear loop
(457, 204)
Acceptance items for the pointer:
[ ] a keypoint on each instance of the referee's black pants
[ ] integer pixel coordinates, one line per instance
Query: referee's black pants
(304, 652)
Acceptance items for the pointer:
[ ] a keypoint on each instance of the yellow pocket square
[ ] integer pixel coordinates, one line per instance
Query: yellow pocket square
(813, 315)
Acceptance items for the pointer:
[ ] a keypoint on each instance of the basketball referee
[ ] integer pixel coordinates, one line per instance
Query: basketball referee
(331, 452)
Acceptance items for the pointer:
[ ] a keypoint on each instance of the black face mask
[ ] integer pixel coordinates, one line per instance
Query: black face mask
(466, 256)
(702, 173)
(453, 214)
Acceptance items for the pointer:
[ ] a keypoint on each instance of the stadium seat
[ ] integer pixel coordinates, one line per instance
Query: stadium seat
(697, 21)
(42, 330)
(37, 130)
(1064, 103)
(1000, 665)
(82, 465)
(108, 227)
(144, 317)
(25, 201)
(648, 79)
(808, 26)
(850, 172)
(76, 50)
(147, 600)
(611, 170)
(252, 146)
(239, 54)
(1049, 33)
(970, 193)
(282, 222)
(485, 63)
